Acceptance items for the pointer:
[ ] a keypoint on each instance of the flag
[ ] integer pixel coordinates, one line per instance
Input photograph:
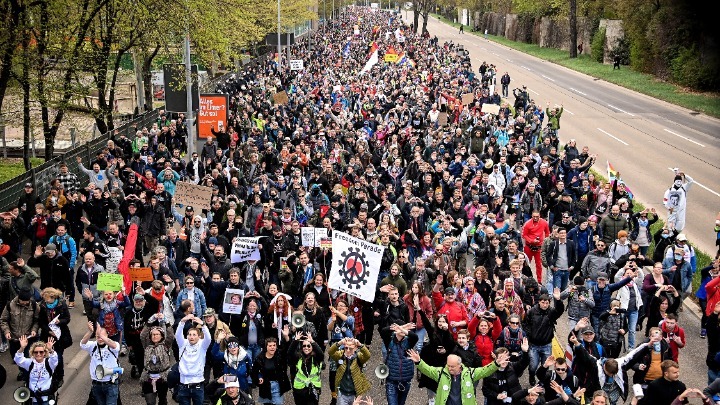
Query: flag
(373, 48)
(355, 266)
(391, 55)
(346, 50)
(612, 176)
(244, 249)
(371, 62)
(128, 255)
(403, 60)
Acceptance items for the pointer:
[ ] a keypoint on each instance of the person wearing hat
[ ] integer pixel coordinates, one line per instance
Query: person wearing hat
(20, 318)
(27, 202)
(235, 360)
(602, 295)
(134, 321)
(54, 268)
(233, 395)
(675, 199)
(447, 305)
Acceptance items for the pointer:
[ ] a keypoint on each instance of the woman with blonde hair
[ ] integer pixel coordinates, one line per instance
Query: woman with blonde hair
(42, 357)
(53, 323)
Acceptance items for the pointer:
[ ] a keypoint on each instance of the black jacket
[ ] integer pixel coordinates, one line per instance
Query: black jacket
(54, 272)
(571, 250)
(539, 324)
(153, 221)
(507, 380)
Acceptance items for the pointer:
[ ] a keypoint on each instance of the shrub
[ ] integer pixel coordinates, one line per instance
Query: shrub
(597, 47)
(689, 70)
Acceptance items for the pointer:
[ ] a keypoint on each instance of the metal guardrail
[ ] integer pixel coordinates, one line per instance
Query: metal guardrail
(42, 175)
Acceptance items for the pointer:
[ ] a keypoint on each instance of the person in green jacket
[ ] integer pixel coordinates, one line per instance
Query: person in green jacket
(554, 116)
(455, 380)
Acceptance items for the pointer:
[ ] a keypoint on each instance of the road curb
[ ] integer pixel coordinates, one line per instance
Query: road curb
(693, 307)
(78, 362)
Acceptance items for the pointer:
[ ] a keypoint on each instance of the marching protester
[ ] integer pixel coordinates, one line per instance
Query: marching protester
(360, 190)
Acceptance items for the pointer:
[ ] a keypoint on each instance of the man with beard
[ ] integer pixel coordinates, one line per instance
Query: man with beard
(135, 320)
(218, 262)
(11, 233)
(103, 352)
(95, 245)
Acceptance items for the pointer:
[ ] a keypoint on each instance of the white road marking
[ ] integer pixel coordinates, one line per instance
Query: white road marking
(548, 78)
(496, 54)
(684, 137)
(695, 182)
(536, 93)
(568, 111)
(526, 68)
(578, 91)
(508, 60)
(621, 110)
(613, 137)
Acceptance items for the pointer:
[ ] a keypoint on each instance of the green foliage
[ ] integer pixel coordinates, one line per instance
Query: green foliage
(688, 69)
(622, 49)
(597, 48)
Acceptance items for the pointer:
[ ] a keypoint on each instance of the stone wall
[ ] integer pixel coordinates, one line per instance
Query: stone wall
(613, 32)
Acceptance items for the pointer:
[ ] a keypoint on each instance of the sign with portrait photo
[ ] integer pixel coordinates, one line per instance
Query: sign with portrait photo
(233, 301)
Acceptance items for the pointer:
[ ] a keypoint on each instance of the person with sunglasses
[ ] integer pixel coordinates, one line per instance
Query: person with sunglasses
(40, 366)
(193, 294)
(306, 356)
(560, 373)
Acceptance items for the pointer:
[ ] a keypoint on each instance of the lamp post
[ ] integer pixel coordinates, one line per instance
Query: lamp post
(279, 47)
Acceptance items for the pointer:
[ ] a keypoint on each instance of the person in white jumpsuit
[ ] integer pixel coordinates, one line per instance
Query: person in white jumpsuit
(675, 200)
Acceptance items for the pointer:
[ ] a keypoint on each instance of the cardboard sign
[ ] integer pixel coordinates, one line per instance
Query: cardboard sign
(213, 113)
(297, 64)
(281, 98)
(490, 109)
(141, 274)
(112, 262)
(109, 282)
(233, 301)
(468, 98)
(442, 119)
(312, 236)
(197, 196)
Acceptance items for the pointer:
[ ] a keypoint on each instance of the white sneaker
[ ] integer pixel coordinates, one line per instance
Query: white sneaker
(3, 347)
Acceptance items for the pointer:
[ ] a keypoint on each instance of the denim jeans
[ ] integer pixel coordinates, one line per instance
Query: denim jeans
(713, 375)
(538, 355)
(397, 391)
(561, 279)
(191, 393)
(106, 394)
(277, 398)
(253, 351)
(632, 318)
(345, 399)
(421, 333)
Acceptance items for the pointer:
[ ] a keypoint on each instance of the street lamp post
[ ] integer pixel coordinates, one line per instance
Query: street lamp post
(279, 47)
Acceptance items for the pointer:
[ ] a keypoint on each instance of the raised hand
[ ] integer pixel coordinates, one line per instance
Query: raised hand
(503, 359)
(23, 342)
(413, 355)
(50, 343)
(525, 346)
(549, 361)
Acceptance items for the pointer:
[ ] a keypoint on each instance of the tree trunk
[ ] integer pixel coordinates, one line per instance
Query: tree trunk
(147, 77)
(573, 29)
(425, 21)
(416, 18)
(25, 83)
(9, 47)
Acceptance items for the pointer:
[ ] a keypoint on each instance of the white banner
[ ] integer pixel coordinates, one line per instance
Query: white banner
(233, 301)
(355, 266)
(112, 262)
(244, 249)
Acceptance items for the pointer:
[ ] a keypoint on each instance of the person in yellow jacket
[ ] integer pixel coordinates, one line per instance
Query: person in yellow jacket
(308, 365)
(455, 380)
(351, 356)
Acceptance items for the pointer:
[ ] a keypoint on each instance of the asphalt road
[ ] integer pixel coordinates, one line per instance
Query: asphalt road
(589, 119)
(642, 137)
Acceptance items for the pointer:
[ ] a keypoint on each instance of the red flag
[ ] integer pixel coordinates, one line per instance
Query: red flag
(128, 255)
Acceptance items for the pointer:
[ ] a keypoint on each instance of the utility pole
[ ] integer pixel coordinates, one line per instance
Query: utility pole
(279, 49)
(189, 99)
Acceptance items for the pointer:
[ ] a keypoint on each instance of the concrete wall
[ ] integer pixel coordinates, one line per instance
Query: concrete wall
(613, 32)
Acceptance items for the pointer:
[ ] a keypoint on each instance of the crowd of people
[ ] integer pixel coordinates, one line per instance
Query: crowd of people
(492, 229)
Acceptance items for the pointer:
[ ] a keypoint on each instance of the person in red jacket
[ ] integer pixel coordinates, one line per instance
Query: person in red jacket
(673, 334)
(455, 311)
(485, 329)
(712, 288)
(534, 233)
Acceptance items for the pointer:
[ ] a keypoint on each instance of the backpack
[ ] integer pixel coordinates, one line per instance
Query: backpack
(54, 381)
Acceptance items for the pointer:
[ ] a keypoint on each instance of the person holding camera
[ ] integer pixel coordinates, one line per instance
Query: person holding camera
(660, 306)
(613, 328)
(580, 301)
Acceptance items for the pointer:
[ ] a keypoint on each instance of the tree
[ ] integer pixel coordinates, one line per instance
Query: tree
(573, 28)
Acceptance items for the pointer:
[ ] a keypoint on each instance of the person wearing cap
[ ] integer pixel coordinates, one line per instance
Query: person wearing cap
(599, 373)
(20, 319)
(602, 295)
(675, 199)
(446, 305)
(678, 269)
(53, 266)
(235, 360)
(27, 202)
(234, 395)
(134, 320)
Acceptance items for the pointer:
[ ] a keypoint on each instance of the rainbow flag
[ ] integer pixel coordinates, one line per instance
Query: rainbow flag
(403, 60)
(612, 176)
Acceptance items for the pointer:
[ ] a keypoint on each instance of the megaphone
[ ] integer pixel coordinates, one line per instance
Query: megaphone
(297, 320)
(102, 372)
(21, 394)
(382, 371)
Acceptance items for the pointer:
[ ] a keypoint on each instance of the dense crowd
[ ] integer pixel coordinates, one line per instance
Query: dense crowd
(492, 230)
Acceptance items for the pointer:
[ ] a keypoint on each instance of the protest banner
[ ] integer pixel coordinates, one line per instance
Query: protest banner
(109, 282)
(390, 57)
(297, 64)
(233, 301)
(355, 266)
(111, 263)
(244, 249)
(281, 98)
(312, 236)
(490, 109)
(213, 113)
(195, 195)
(141, 274)
(468, 98)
